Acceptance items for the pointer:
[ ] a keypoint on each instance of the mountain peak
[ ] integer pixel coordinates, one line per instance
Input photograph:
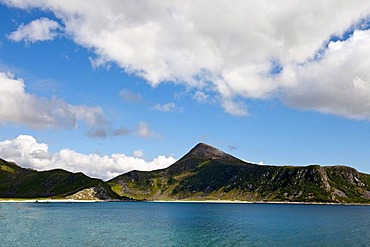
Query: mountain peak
(202, 150)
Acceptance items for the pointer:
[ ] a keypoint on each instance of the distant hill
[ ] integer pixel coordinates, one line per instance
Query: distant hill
(17, 182)
(204, 173)
(207, 173)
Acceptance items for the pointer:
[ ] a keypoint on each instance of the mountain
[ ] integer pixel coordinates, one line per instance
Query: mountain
(17, 182)
(204, 173)
(207, 173)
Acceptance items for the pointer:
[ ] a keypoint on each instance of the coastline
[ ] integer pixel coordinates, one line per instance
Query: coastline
(45, 200)
(259, 202)
(49, 200)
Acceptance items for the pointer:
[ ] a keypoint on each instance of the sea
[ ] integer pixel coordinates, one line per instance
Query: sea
(182, 224)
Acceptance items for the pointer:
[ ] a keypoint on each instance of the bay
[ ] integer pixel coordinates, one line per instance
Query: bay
(183, 224)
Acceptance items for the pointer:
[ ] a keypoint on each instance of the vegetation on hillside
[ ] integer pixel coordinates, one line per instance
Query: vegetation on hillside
(206, 173)
(17, 182)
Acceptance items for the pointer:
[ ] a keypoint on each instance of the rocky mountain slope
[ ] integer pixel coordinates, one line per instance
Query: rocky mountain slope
(206, 173)
(17, 182)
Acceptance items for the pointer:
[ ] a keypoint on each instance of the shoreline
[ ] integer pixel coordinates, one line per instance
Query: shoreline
(259, 202)
(49, 200)
(45, 200)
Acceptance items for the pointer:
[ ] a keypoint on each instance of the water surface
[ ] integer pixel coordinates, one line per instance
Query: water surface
(183, 224)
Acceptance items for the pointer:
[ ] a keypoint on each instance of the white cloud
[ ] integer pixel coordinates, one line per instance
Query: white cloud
(168, 107)
(38, 30)
(19, 107)
(144, 130)
(338, 84)
(200, 97)
(27, 152)
(234, 108)
(229, 47)
(138, 153)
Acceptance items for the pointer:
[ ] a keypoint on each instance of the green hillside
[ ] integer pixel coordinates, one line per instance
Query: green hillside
(206, 173)
(17, 182)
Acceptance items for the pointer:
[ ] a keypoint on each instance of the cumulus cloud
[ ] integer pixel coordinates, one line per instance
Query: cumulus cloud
(38, 30)
(27, 152)
(19, 107)
(339, 83)
(235, 49)
(168, 107)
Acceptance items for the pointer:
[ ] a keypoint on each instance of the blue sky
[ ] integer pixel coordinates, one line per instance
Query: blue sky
(106, 87)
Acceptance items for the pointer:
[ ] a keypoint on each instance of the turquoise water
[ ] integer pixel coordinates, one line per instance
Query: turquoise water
(182, 224)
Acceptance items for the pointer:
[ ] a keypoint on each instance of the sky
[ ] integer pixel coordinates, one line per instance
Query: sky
(105, 87)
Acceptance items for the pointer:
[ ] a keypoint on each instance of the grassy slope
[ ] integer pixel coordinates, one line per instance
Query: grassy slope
(232, 179)
(203, 174)
(17, 182)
